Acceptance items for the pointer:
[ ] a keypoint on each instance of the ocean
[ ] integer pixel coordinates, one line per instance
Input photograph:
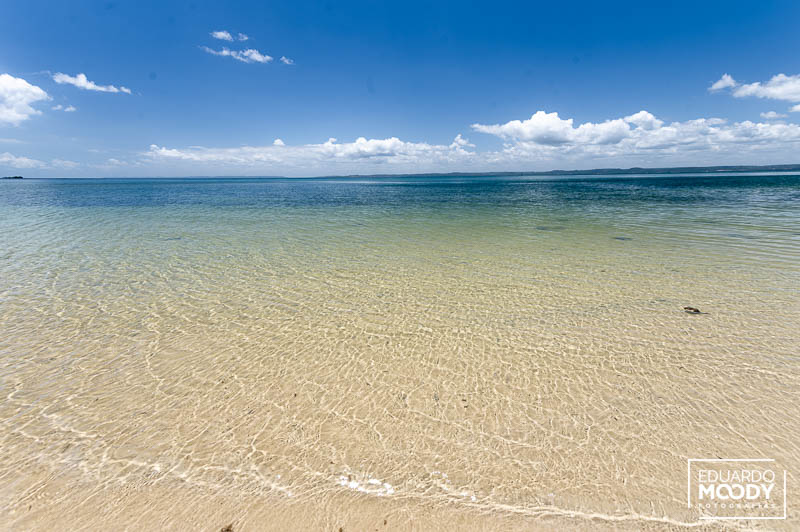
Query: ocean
(498, 353)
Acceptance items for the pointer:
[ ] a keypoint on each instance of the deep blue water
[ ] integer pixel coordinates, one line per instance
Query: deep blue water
(549, 192)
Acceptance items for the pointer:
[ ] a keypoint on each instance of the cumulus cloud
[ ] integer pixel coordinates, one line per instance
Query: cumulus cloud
(82, 82)
(548, 129)
(779, 87)
(10, 160)
(245, 56)
(374, 151)
(546, 135)
(638, 139)
(16, 98)
(772, 115)
(242, 37)
(459, 143)
(726, 81)
(286, 61)
(222, 35)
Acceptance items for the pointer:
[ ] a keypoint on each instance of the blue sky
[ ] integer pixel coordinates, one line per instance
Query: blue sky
(402, 87)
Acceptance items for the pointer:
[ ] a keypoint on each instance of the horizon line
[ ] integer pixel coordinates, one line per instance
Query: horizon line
(609, 171)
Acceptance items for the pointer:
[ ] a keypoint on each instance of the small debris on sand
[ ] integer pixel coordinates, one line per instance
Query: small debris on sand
(692, 310)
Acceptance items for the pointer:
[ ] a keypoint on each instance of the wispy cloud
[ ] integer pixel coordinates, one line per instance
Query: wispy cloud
(12, 161)
(9, 160)
(82, 82)
(67, 109)
(245, 56)
(16, 98)
(222, 35)
(772, 115)
(64, 163)
(286, 61)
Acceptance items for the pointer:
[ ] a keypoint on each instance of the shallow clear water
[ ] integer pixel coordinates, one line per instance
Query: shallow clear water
(492, 353)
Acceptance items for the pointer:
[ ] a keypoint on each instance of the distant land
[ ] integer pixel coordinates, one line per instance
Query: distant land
(595, 171)
(608, 171)
(12, 177)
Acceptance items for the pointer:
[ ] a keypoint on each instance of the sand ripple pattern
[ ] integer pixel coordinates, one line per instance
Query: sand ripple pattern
(499, 354)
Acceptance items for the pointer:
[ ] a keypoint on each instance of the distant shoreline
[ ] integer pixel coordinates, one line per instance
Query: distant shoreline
(612, 171)
(594, 171)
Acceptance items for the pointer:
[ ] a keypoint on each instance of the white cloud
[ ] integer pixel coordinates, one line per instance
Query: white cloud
(64, 163)
(16, 97)
(724, 82)
(82, 82)
(644, 120)
(459, 143)
(222, 35)
(245, 56)
(286, 61)
(67, 109)
(772, 115)
(252, 55)
(242, 37)
(368, 151)
(544, 140)
(779, 87)
(9, 160)
(547, 136)
(550, 130)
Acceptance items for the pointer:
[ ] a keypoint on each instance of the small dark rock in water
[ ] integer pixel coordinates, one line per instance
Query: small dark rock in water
(549, 228)
(622, 238)
(692, 310)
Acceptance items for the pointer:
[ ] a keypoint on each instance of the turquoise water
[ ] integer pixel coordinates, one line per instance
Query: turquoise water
(497, 350)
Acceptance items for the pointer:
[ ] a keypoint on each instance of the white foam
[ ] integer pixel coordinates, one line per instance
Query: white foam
(372, 486)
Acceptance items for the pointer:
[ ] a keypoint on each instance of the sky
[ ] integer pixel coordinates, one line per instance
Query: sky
(190, 88)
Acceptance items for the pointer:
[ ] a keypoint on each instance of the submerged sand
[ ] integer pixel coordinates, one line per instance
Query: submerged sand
(433, 374)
